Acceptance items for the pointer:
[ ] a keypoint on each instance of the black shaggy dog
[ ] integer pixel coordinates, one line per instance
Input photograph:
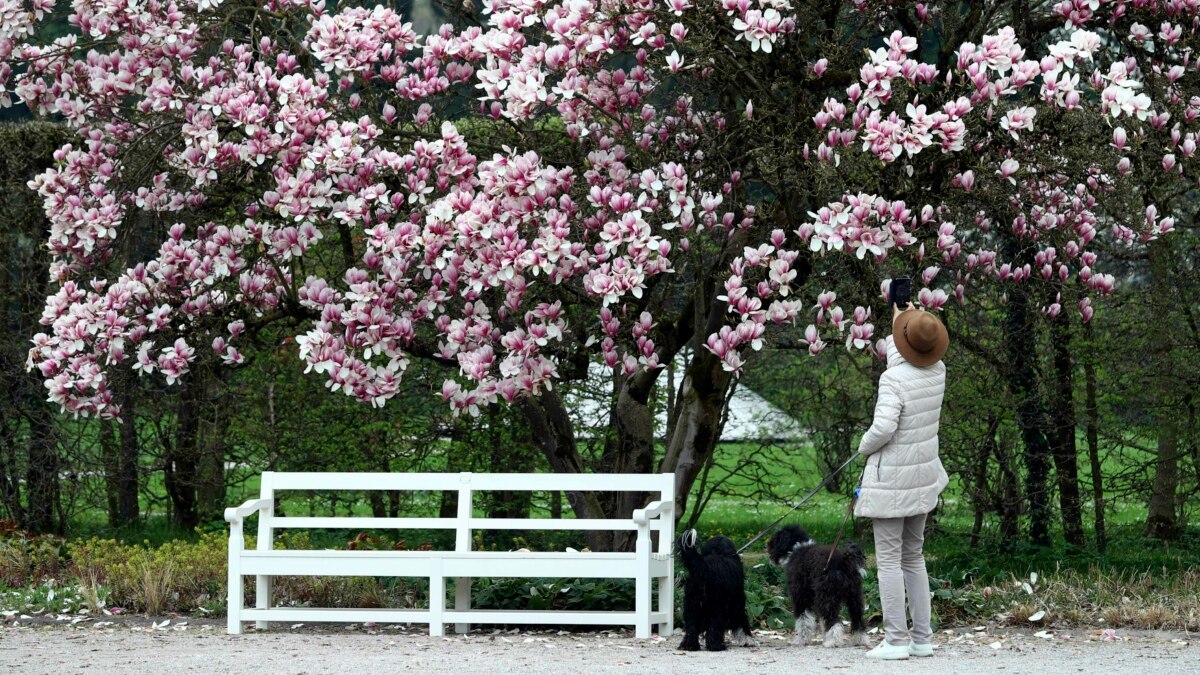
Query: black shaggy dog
(714, 596)
(818, 589)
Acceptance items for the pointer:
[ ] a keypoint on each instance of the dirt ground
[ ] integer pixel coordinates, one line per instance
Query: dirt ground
(139, 645)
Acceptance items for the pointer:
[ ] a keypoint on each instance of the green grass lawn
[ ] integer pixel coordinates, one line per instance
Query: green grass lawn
(794, 473)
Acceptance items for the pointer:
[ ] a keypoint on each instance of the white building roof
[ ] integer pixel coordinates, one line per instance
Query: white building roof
(750, 417)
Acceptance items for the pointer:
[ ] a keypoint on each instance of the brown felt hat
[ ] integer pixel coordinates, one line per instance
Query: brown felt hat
(920, 337)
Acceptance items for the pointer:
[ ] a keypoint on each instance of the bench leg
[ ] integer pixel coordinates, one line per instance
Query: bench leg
(234, 600)
(666, 605)
(462, 601)
(437, 605)
(263, 587)
(642, 600)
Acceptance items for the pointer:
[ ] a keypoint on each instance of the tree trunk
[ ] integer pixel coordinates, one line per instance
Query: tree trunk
(630, 448)
(555, 437)
(119, 446)
(211, 448)
(1162, 520)
(1021, 346)
(979, 492)
(510, 452)
(377, 461)
(448, 506)
(180, 465)
(1066, 453)
(1010, 495)
(1093, 441)
(10, 485)
(127, 469)
(110, 461)
(697, 425)
(41, 477)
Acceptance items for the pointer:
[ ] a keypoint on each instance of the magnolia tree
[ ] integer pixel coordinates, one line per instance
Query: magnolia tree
(544, 183)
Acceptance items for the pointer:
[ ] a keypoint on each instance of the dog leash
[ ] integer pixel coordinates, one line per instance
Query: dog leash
(849, 510)
(798, 504)
(842, 527)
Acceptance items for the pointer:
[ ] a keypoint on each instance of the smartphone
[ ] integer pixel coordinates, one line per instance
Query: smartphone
(900, 292)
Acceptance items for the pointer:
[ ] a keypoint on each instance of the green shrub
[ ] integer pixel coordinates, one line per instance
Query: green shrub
(27, 560)
(555, 594)
(177, 576)
(368, 592)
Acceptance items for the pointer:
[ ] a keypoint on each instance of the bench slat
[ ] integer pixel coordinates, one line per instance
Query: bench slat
(606, 524)
(531, 616)
(584, 566)
(612, 482)
(316, 565)
(345, 480)
(499, 564)
(483, 616)
(314, 614)
(339, 554)
(354, 523)
(362, 523)
(629, 482)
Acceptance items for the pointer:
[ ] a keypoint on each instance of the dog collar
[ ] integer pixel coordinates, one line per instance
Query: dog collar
(795, 547)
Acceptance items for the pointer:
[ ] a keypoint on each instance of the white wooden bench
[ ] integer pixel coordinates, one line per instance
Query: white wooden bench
(650, 560)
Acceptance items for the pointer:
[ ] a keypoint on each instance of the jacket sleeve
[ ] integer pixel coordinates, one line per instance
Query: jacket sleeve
(887, 418)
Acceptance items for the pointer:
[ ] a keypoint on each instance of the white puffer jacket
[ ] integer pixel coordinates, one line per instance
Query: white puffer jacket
(903, 474)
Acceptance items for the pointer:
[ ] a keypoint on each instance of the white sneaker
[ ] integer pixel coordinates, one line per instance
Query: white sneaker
(888, 652)
(915, 649)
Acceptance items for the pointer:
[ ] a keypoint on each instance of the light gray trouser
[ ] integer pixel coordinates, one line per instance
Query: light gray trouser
(901, 565)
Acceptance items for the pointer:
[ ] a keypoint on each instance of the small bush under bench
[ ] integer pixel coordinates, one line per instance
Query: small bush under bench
(650, 561)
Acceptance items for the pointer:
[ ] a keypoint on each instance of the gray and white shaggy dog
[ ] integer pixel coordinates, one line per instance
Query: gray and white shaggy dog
(819, 585)
(714, 594)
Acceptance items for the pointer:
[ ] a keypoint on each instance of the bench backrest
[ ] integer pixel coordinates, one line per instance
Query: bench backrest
(661, 486)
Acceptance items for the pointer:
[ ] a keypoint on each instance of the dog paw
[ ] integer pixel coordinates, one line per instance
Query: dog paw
(859, 639)
(740, 639)
(806, 624)
(834, 637)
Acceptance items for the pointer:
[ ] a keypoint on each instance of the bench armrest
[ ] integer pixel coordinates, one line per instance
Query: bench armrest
(235, 515)
(652, 510)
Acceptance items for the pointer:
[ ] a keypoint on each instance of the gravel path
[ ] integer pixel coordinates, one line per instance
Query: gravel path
(206, 649)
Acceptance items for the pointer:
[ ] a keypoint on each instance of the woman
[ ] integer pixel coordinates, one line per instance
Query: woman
(903, 476)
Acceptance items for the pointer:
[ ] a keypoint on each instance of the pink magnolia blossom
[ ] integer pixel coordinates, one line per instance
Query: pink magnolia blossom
(274, 156)
(1018, 119)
